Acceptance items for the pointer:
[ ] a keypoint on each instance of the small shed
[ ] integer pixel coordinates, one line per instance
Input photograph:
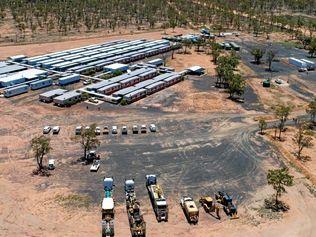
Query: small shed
(116, 67)
(196, 70)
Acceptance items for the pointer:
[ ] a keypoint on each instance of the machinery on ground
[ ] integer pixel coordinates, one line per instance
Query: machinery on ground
(210, 206)
(135, 218)
(190, 209)
(157, 198)
(108, 208)
(229, 208)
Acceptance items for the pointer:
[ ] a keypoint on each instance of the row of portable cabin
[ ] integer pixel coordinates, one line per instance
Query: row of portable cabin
(38, 84)
(121, 52)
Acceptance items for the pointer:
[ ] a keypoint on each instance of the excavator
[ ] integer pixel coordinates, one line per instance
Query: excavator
(229, 207)
(210, 206)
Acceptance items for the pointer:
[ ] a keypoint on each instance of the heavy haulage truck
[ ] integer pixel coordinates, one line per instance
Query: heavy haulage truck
(108, 208)
(157, 198)
(135, 218)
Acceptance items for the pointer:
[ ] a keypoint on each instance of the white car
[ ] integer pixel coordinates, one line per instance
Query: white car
(56, 129)
(46, 129)
(95, 166)
(51, 164)
(152, 127)
(135, 129)
(97, 131)
(114, 129)
(143, 128)
(124, 130)
(78, 130)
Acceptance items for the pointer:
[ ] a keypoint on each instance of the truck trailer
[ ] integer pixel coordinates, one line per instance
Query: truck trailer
(158, 200)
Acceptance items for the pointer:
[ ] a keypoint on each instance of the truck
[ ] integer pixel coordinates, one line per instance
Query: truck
(298, 63)
(108, 208)
(158, 201)
(190, 209)
(136, 220)
(107, 217)
(310, 64)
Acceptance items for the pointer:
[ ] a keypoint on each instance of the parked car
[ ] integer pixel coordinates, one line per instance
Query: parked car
(78, 130)
(56, 129)
(95, 166)
(143, 128)
(51, 164)
(302, 69)
(87, 128)
(152, 127)
(87, 82)
(46, 129)
(105, 130)
(124, 130)
(114, 129)
(93, 100)
(97, 131)
(135, 129)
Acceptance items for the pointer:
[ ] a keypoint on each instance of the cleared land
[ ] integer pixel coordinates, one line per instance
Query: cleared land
(204, 143)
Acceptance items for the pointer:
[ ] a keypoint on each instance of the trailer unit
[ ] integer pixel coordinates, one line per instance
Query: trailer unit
(16, 91)
(41, 84)
(69, 79)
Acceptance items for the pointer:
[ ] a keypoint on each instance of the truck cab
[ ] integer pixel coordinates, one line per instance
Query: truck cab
(129, 186)
(108, 186)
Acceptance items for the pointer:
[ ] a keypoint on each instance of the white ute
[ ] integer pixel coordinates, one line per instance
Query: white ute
(95, 166)
(46, 129)
(56, 129)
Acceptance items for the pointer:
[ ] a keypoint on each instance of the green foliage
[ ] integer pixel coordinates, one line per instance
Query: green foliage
(270, 57)
(311, 110)
(303, 138)
(279, 179)
(262, 124)
(258, 54)
(40, 146)
(282, 112)
(87, 139)
(312, 48)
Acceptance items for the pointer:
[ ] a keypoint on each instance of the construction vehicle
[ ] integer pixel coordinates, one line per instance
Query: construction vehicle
(157, 198)
(107, 217)
(190, 209)
(135, 218)
(229, 208)
(210, 206)
(108, 208)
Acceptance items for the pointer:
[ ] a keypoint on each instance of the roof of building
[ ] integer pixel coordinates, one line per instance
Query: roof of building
(135, 92)
(196, 68)
(53, 93)
(153, 85)
(11, 68)
(67, 95)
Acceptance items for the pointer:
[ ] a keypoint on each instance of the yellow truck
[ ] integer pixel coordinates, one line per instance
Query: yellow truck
(190, 209)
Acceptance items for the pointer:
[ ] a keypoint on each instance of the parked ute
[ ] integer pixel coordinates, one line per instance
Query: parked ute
(51, 164)
(97, 131)
(95, 166)
(152, 128)
(143, 128)
(114, 129)
(124, 130)
(46, 129)
(56, 129)
(105, 130)
(78, 130)
(135, 129)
